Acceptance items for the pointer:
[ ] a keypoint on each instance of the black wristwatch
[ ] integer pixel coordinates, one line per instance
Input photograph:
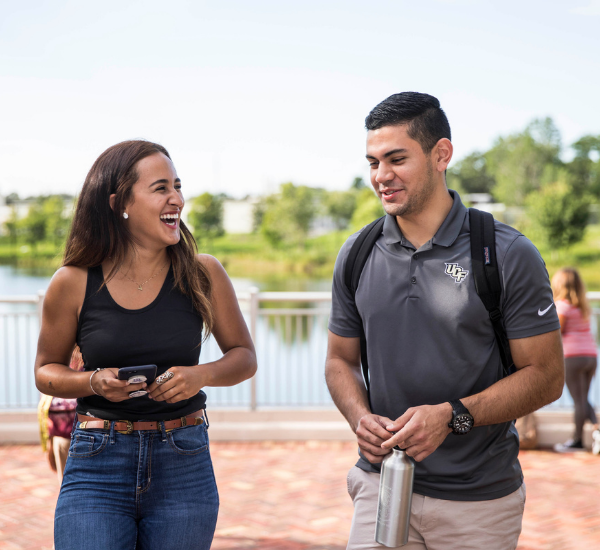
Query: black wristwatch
(462, 421)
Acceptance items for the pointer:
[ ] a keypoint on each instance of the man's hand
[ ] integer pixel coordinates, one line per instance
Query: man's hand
(420, 430)
(371, 434)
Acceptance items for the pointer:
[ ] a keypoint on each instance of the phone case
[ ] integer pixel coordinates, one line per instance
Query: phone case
(147, 371)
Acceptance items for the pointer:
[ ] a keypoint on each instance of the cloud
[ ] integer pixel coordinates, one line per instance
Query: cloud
(593, 8)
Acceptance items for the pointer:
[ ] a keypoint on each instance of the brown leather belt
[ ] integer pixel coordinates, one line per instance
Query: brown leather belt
(127, 426)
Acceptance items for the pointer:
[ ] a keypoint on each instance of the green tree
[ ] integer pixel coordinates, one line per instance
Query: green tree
(34, 225)
(470, 175)
(340, 206)
(57, 223)
(258, 213)
(12, 226)
(11, 198)
(559, 214)
(368, 208)
(287, 215)
(206, 216)
(358, 183)
(524, 162)
(584, 169)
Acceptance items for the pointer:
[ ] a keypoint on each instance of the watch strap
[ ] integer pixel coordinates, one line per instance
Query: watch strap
(458, 407)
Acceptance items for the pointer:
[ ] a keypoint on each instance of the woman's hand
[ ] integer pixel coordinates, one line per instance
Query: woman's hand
(106, 384)
(185, 383)
(231, 333)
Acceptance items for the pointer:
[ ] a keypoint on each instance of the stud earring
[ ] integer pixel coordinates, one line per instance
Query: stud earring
(125, 215)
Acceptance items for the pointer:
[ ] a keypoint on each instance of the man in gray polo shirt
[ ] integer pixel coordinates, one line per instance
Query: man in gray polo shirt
(430, 341)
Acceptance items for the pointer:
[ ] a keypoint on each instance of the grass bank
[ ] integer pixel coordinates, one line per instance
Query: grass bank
(252, 256)
(584, 256)
(43, 259)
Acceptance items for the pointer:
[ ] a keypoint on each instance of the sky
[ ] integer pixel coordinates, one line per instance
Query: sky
(247, 95)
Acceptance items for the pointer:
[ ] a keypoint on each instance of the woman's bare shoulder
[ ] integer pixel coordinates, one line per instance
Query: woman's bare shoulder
(69, 274)
(211, 263)
(68, 284)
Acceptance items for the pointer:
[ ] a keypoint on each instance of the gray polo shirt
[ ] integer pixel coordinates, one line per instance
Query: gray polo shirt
(430, 340)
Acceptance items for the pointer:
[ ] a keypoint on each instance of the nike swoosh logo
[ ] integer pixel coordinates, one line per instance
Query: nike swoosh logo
(540, 312)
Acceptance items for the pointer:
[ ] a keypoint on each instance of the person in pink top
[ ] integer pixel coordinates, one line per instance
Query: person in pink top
(580, 352)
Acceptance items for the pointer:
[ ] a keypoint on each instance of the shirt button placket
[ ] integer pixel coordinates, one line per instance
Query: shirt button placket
(413, 279)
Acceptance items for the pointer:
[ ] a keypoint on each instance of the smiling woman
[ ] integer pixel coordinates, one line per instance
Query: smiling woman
(133, 292)
(128, 191)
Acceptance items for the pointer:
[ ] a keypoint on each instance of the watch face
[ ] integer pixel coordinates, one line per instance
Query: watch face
(462, 423)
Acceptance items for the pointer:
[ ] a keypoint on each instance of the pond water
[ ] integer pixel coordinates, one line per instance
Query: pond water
(23, 281)
(18, 281)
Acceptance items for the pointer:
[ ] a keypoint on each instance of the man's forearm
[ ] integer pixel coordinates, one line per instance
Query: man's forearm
(530, 388)
(512, 397)
(347, 390)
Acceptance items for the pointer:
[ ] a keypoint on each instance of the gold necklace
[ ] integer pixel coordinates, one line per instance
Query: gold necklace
(140, 285)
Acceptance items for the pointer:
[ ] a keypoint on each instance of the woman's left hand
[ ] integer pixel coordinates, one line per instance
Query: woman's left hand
(231, 334)
(185, 383)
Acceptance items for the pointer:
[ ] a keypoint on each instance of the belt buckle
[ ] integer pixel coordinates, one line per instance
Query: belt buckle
(129, 427)
(83, 425)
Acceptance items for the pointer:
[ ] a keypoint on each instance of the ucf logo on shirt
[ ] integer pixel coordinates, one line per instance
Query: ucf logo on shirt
(456, 272)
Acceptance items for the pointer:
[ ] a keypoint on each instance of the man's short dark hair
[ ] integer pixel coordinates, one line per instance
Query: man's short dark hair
(425, 120)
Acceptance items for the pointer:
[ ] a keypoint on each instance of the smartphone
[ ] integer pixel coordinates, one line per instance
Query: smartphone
(137, 375)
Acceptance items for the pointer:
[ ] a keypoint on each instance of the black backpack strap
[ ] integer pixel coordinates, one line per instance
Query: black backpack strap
(357, 258)
(360, 251)
(487, 278)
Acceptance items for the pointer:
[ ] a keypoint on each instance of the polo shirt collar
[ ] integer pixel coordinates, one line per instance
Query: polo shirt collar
(450, 229)
(445, 235)
(391, 231)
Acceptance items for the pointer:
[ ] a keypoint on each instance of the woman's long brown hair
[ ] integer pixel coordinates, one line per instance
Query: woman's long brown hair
(568, 285)
(98, 232)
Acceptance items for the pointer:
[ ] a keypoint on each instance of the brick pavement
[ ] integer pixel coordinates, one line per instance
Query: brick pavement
(273, 497)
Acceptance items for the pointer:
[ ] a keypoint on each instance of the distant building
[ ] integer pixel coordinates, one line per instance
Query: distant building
(483, 201)
(321, 225)
(238, 215)
(4, 214)
(512, 215)
(477, 198)
(21, 207)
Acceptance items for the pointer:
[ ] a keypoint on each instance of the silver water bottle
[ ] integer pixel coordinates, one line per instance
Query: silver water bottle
(395, 498)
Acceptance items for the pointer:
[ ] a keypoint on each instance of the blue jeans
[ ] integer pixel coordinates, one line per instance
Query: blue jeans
(142, 491)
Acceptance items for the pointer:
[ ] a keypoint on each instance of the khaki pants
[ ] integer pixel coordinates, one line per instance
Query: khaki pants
(437, 524)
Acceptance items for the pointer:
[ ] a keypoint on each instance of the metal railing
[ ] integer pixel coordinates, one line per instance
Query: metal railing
(19, 327)
(289, 330)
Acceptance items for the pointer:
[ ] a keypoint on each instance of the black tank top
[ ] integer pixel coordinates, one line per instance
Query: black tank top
(165, 333)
